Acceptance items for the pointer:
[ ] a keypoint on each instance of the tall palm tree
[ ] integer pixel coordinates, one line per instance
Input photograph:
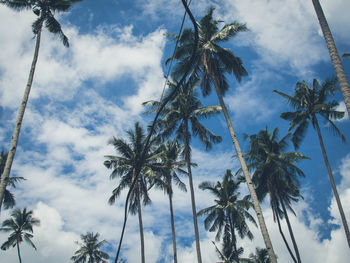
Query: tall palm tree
(211, 64)
(229, 213)
(90, 250)
(125, 166)
(333, 52)
(308, 104)
(21, 227)
(261, 256)
(44, 10)
(9, 199)
(172, 165)
(276, 175)
(184, 113)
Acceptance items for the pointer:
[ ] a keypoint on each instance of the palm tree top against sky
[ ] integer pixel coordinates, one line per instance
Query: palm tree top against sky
(84, 95)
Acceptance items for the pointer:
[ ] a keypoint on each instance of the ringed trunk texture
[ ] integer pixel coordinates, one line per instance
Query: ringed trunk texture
(141, 228)
(334, 188)
(253, 195)
(193, 202)
(284, 239)
(333, 52)
(19, 253)
(172, 227)
(12, 151)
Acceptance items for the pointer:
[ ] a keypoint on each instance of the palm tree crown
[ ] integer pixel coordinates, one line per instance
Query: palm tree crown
(90, 250)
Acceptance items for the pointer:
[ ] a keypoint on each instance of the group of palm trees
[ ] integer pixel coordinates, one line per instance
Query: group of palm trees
(158, 160)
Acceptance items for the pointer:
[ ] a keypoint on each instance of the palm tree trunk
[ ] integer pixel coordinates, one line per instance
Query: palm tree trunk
(335, 192)
(19, 253)
(253, 195)
(193, 202)
(291, 232)
(12, 151)
(172, 225)
(333, 52)
(141, 228)
(233, 238)
(284, 239)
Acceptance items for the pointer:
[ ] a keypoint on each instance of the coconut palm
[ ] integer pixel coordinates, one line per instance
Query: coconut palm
(333, 52)
(9, 199)
(211, 64)
(172, 164)
(125, 167)
(90, 250)
(261, 256)
(227, 254)
(276, 175)
(182, 116)
(229, 213)
(44, 10)
(308, 104)
(21, 227)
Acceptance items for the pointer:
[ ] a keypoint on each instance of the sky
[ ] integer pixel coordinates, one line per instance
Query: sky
(85, 94)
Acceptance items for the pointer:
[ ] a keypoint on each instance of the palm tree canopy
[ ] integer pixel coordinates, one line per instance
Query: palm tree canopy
(261, 256)
(89, 250)
(309, 102)
(129, 161)
(20, 226)
(211, 61)
(228, 208)
(9, 199)
(275, 170)
(44, 10)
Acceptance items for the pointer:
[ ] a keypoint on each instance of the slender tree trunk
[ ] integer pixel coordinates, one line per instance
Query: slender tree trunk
(334, 188)
(193, 202)
(172, 225)
(141, 228)
(333, 52)
(233, 238)
(291, 232)
(253, 195)
(12, 151)
(284, 239)
(19, 253)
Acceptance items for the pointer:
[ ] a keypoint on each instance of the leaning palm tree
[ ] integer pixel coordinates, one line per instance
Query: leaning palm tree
(171, 163)
(276, 174)
(44, 10)
(21, 227)
(90, 250)
(333, 52)
(125, 166)
(308, 104)
(9, 199)
(229, 213)
(182, 116)
(211, 64)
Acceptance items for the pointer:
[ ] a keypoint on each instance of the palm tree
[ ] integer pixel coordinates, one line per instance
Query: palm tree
(308, 104)
(44, 10)
(229, 213)
(21, 227)
(211, 63)
(276, 175)
(333, 52)
(125, 167)
(9, 199)
(186, 111)
(261, 256)
(172, 165)
(89, 250)
(227, 254)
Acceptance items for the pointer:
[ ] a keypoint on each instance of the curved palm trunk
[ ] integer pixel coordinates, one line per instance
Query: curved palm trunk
(291, 232)
(253, 195)
(19, 253)
(333, 52)
(17, 129)
(141, 228)
(193, 202)
(172, 225)
(284, 239)
(334, 188)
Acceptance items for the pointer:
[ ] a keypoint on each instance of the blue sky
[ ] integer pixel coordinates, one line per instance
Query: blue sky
(84, 95)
